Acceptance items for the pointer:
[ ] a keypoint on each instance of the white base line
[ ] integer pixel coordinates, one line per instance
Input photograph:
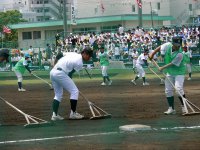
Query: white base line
(59, 137)
(89, 135)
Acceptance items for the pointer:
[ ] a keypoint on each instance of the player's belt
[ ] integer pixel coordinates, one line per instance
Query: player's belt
(60, 69)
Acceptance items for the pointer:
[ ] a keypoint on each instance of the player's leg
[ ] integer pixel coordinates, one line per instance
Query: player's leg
(169, 91)
(68, 84)
(19, 80)
(179, 82)
(134, 65)
(143, 77)
(104, 74)
(189, 69)
(139, 74)
(58, 91)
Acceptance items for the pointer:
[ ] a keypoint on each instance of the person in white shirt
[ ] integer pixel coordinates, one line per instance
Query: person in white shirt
(117, 51)
(142, 60)
(121, 30)
(134, 56)
(61, 77)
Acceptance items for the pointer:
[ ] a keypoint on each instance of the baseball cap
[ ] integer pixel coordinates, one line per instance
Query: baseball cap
(5, 53)
(177, 41)
(27, 55)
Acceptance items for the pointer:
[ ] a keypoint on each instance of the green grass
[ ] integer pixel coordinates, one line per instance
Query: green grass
(9, 78)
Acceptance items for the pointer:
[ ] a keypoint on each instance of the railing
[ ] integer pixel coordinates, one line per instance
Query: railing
(185, 15)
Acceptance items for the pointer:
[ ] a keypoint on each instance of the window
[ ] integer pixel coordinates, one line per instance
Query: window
(36, 35)
(46, 2)
(133, 8)
(46, 10)
(190, 7)
(158, 6)
(26, 35)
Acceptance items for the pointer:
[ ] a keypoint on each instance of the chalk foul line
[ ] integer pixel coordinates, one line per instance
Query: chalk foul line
(59, 137)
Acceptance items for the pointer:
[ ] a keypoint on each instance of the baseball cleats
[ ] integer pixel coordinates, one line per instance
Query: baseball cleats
(103, 83)
(133, 81)
(110, 82)
(145, 83)
(189, 79)
(21, 90)
(170, 111)
(75, 116)
(56, 117)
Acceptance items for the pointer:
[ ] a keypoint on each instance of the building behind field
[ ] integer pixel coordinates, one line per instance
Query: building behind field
(46, 16)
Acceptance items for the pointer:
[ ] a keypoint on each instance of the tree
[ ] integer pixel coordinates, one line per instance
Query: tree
(10, 17)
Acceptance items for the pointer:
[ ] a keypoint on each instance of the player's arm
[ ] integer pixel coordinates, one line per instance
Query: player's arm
(70, 74)
(175, 62)
(26, 65)
(151, 55)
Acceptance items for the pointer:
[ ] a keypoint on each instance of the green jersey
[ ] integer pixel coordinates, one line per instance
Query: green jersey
(176, 57)
(20, 66)
(104, 59)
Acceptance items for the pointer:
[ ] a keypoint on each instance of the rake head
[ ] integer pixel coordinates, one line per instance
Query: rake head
(40, 124)
(97, 112)
(101, 117)
(191, 113)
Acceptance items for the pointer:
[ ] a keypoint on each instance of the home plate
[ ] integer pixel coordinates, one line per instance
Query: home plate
(135, 127)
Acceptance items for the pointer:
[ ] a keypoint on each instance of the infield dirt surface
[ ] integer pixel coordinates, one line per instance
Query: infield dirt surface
(127, 103)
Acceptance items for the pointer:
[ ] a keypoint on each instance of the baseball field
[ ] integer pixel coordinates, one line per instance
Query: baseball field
(128, 104)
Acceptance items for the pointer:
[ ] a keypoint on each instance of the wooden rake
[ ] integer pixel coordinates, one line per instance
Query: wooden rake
(162, 81)
(32, 121)
(97, 112)
(190, 108)
(50, 85)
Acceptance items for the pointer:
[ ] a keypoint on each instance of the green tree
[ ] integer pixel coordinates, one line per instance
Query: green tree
(10, 17)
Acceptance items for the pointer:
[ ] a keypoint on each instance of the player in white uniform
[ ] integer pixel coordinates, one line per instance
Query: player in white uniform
(188, 55)
(142, 60)
(134, 56)
(174, 69)
(61, 76)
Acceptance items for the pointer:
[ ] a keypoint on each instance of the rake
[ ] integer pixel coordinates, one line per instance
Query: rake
(51, 87)
(162, 82)
(97, 112)
(32, 121)
(189, 106)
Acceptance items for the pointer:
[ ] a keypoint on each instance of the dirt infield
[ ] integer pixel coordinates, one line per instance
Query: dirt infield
(127, 103)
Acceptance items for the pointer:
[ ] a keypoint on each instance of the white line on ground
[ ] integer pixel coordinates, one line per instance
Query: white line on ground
(59, 137)
(89, 135)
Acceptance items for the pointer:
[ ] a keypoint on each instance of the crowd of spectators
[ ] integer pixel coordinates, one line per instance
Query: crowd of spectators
(120, 44)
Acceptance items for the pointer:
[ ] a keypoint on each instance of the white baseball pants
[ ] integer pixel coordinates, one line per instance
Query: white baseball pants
(178, 82)
(140, 70)
(104, 70)
(19, 76)
(189, 68)
(60, 80)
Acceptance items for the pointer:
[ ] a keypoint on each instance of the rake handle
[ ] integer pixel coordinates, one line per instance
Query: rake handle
(169, 80)
(21, 112)
(88, 73)
(155, 73)
(42, 79)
